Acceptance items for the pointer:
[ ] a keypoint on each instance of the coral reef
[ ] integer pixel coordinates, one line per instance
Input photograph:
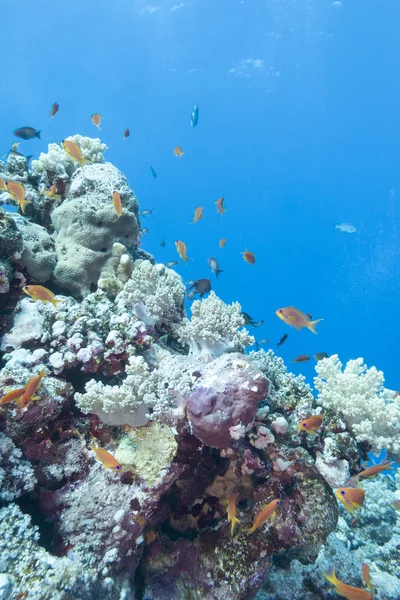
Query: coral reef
(370, 410)
(214, 327)
(116, 471)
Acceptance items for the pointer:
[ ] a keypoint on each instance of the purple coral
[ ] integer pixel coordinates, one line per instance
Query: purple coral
(224, 400)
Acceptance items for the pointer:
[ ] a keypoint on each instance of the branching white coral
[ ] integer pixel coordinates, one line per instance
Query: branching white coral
(143, 394)
(156, 292)
(370, 410)
(213, 328)
(57, 161)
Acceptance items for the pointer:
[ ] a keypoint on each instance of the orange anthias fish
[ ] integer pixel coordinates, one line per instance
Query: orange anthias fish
(116, 199)
(96, 120)
(17, 191)
(268, 512)
(301, 358)
(106, 458)
(54, 109)
(347, 591)
(126, 133)
(297, 319)
(51, 193)
(366, 577)
(38, 292)
(198, 214)
(178, 151)
(181, 249)
(220, 205)
(375, 470)
(74, 152)
(312, 423)
(31, 388)
(352, 498)
(11, 396)
(232, 508)
(248, 257)
(222, 243)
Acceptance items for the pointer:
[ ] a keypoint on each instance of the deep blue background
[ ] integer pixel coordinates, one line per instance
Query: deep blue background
(309, 140)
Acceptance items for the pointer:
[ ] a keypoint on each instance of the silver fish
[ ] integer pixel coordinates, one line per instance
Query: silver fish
(214, 266)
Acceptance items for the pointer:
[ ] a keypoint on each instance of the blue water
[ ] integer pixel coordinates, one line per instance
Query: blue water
(298, 130)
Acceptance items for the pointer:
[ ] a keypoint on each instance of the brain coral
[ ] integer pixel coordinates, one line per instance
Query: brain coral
(86, 227)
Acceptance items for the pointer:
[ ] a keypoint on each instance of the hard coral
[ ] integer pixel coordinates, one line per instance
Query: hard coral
(86, 226)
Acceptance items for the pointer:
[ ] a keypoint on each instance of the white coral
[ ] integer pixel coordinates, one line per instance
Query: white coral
(370, 410)
(57, 161)
(157, 391)
(154, 292)
(214, 327)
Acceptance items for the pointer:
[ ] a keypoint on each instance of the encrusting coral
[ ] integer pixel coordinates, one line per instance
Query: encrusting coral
(146, 423)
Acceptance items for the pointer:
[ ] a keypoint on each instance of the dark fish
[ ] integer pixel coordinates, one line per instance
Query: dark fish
(213, 264)
(16, 153)
(27, 133)
(126, 133)
(171, 263)
(301, 358)
(145, 212)
(282, 340)
(201, 287)
(162, 244)
(153, 172)
(248, 320)
(320, 355)
(194, 119)
(54, 109)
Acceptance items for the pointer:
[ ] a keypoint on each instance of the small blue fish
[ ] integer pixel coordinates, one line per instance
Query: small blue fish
(194, 119)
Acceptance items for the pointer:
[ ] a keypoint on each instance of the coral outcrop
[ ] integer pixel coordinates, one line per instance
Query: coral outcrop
(116, 471)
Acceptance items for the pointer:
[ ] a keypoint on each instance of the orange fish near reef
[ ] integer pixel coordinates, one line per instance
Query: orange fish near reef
(248, 257)
(375, 470)
(198, 214)
(116, 199)
(366, 576)
(74, 152)
(17, 191)
(38, 292)
(352, 498)
(297, 319)
(347, 591)
(232, 511)
(54, 109)
(222, 243)
(51, 193)
(31, 388)
(106, 458)
(268, 512)
(220, 205)
(126, 133)
(181, 249)
(96, 120)
(312, 423)
(11, 396)
(301, 358)
(178, 151)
